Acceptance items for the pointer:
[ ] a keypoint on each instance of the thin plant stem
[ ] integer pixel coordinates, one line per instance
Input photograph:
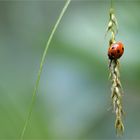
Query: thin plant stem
(111, 4)
(41, 67)
(116, 87)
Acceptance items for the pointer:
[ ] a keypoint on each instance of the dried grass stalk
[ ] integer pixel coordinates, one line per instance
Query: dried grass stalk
(116, 95)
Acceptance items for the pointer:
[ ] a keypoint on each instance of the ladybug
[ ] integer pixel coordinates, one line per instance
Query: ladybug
(115, 51)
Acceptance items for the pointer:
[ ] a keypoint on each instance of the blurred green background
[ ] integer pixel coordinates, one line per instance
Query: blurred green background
(74, 92)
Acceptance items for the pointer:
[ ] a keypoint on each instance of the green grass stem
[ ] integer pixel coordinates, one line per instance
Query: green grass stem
(41, 67)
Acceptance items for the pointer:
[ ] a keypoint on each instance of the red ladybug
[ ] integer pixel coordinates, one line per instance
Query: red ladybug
(115, 51)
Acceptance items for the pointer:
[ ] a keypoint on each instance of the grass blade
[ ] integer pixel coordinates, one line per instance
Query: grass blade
(41, 67)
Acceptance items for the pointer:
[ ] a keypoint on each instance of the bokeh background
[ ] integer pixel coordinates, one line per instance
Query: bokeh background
(73, 98)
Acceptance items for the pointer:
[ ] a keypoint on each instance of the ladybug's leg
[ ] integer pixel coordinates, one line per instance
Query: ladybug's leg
(110, 61)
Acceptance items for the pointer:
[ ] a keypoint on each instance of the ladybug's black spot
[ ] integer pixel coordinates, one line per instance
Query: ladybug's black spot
(118, 51)
(122, 48)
